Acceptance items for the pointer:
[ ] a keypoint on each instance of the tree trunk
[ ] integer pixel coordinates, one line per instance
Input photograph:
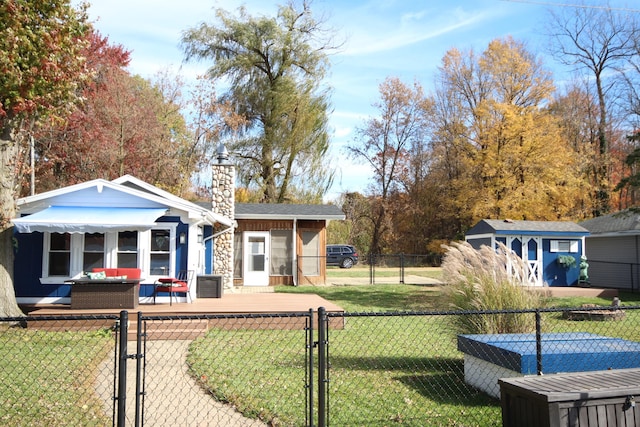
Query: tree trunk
(8, 154)
(602, 172)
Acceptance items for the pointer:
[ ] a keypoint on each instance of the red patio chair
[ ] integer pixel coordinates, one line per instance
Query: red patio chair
(174, 285)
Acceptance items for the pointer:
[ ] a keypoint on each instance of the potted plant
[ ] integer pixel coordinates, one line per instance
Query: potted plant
(566, 261)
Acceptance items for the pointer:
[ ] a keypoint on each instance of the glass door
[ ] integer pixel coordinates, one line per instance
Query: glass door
(256, 258)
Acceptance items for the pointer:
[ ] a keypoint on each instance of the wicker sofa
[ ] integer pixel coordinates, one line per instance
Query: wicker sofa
(119, 289)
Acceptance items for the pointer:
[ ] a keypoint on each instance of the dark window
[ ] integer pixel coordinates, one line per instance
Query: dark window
(128, 249)
(59, 254)
(160, 252)
(93, 255)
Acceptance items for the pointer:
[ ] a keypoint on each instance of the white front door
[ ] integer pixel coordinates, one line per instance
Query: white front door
(256, 258)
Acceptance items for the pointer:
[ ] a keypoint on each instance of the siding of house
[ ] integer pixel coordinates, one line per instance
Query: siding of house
(302, 226)
(613, 261)
(319, 227)
(28, 269)
(477, 243)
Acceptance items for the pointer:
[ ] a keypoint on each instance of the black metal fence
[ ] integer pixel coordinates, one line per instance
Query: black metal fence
(387, 268)
(294, 369)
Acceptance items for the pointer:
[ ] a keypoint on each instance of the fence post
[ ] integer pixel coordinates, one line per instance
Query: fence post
(139, 356)
(122, 369)
(372, 270)
(310, 391)
(402, 268)
(538, 343)
(322, 367)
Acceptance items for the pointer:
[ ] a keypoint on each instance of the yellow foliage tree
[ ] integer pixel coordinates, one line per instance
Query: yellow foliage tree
(519, 165)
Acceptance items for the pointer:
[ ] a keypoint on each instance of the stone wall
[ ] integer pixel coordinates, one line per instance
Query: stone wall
(223, 203)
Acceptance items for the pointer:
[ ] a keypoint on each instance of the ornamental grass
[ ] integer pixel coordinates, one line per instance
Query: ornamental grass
(487, 280)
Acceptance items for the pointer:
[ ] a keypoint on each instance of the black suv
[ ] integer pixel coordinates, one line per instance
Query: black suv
(344, 256)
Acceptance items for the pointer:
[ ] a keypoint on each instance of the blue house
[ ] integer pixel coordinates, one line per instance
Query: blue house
(128, 223)
(124, 223)
(546, 247)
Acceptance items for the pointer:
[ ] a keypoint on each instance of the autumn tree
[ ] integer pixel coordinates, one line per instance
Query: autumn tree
(519, 164)
(124, 125)
(274, 67)
(577, 113)
(41, 64)
(392, 144)
(601, 41)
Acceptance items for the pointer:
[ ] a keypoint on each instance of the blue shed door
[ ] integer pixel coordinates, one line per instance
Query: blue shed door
(530, 250)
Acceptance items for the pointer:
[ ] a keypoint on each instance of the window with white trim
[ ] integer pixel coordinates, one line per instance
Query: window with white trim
(570, 246)
(93, 254)
(59, 254)
(67, 255)
(160, 252)
(127, 253)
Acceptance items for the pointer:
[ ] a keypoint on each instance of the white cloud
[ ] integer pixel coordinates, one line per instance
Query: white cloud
(342, 132)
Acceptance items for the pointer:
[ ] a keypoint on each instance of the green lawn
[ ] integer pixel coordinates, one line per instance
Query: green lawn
(362, 271)
(47, 378)
(385, 370)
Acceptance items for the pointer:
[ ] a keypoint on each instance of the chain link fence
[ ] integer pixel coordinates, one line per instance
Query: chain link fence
(292, 369)
(50, 371)
(386, 268)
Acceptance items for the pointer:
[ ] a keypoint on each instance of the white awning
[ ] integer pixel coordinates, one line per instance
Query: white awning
(76, 219)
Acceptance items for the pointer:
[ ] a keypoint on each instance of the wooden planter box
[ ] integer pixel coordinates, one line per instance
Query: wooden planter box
(105, 295)
(586, 399)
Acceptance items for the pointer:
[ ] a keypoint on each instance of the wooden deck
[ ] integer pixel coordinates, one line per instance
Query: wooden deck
(228, 304)
(244, 311)
(237, 305)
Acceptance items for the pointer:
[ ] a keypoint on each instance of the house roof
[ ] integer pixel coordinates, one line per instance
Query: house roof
(508, 227)
(102, 193)
(287, 211)
(623, 222)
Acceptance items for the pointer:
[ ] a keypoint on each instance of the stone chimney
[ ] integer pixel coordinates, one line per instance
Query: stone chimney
(223, 203)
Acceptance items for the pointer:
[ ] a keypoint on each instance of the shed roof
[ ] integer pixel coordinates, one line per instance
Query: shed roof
(623, 222)
(287, 211)
(507, 226)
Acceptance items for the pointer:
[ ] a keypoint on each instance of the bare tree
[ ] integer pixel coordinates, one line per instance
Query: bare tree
(388, 143)
(600, 41)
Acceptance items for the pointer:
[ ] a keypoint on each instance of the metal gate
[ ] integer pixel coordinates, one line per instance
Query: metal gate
(158, 376)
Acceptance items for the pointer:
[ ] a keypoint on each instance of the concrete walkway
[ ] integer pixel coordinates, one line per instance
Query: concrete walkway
(172, 397)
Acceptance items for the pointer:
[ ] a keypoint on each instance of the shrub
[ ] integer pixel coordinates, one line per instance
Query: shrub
(488, 279)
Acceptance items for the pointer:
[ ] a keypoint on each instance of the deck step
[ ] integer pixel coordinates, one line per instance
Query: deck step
(155, 329)
(171, 329)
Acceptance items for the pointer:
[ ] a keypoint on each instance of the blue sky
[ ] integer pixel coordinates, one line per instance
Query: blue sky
(383, 38)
